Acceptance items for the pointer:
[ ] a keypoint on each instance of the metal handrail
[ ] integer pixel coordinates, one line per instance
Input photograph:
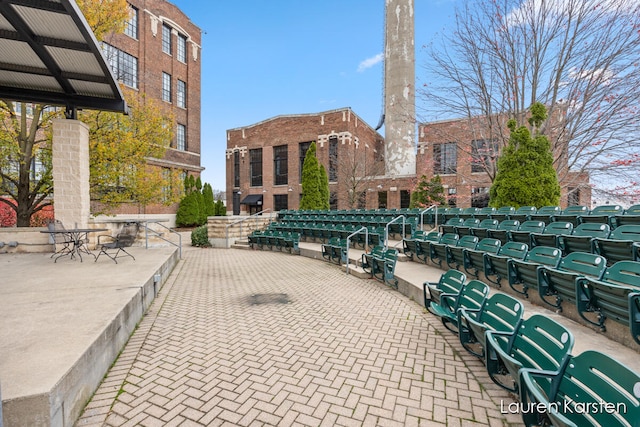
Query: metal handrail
(240, 221)
(366, 241)
(386, 229)
(425, 211)
(159, 235)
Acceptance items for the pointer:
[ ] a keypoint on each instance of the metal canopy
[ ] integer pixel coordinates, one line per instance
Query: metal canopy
(49, 55)
(252, 199)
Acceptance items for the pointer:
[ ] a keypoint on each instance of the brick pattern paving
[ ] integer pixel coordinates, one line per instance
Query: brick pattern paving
(343, 351)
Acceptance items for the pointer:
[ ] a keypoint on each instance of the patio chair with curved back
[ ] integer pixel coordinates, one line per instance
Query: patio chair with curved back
(62, 242)
(124, 239)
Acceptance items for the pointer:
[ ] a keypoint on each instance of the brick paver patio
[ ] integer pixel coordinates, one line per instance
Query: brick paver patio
(242, 337)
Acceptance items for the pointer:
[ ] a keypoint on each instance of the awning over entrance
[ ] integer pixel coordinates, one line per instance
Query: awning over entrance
(252, 200)
(50, 56)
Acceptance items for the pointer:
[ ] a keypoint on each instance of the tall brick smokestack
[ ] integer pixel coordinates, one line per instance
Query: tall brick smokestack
(399, 88)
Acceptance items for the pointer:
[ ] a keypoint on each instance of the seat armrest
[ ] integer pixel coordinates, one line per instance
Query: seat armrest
(105, 236)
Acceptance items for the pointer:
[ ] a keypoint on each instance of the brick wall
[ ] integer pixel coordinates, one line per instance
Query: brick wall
(152, 62)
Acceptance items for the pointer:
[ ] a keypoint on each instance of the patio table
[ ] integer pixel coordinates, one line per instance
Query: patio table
(79, 237)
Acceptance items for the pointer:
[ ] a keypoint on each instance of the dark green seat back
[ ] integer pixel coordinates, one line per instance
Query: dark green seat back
(488, 223)
(523, 274)
(455, 256)
(556, 285)
(451, 282)
(630, 216)
(496, 265)
(623, 244)
(592, 229)
(500, 312)
(473, 259)
(581, 237)
(602, 214)
(503, 213)
(467, 242)
(514, 250)
(545, 214)
(471, 297)
(502, 232)
(509, 224)
(588, 380)
(484, 213)
(538, 343)
(544, 255)
(523, 213)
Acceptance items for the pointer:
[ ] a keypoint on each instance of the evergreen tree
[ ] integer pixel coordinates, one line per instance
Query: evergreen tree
(188, 214)
(428, 192)
(209, 202)
(220, 208)
(324, 187)
(526, 176)
(311, 197)
(189, 184)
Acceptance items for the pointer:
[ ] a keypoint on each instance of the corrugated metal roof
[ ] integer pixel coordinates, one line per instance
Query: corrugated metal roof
(49, 55)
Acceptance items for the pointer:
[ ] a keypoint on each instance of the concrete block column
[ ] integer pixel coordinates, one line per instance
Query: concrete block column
(70, 157)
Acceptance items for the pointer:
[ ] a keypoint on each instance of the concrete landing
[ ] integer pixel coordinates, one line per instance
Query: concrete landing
(64, 324)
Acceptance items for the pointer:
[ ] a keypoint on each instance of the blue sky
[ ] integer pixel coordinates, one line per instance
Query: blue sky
(265, 58)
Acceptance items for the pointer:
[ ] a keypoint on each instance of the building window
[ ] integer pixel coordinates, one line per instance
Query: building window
(405, 199)
(333, 159)
(280, 202)
(479, 197)
(236, 169)
(181, 94)
(483, 152)
(181, 137)
(303, 146)
(280, 165)
(333, 201)
(166, 39)
(166, 87)
(182, 48)
(255, 167)
(131, 27)
(445, 158)
(573, 196)
(123, 65)
(382, 199)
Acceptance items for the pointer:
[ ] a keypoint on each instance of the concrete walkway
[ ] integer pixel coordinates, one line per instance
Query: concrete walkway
(240, 337)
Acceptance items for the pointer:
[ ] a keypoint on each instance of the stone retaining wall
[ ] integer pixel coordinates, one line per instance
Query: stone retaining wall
(223, 232)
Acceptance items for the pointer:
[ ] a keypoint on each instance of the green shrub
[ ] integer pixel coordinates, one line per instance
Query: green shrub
(188, 214)
(200, 237)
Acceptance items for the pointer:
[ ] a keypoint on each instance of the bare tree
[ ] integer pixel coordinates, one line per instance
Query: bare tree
(578, 57)
(355, 165)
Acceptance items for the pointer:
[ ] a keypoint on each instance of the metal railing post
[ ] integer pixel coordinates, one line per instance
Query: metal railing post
(435, 208)
(386, 229)
(366, 241)
(240, 221)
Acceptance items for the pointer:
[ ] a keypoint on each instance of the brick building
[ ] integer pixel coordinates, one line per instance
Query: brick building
(159, 57)
(264, 163)
(464, 151)
(264, 160)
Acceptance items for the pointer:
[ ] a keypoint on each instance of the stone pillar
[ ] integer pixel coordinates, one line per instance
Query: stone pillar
(70, 158)
(399, 88)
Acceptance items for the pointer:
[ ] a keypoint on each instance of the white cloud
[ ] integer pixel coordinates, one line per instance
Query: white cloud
(370, 62)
